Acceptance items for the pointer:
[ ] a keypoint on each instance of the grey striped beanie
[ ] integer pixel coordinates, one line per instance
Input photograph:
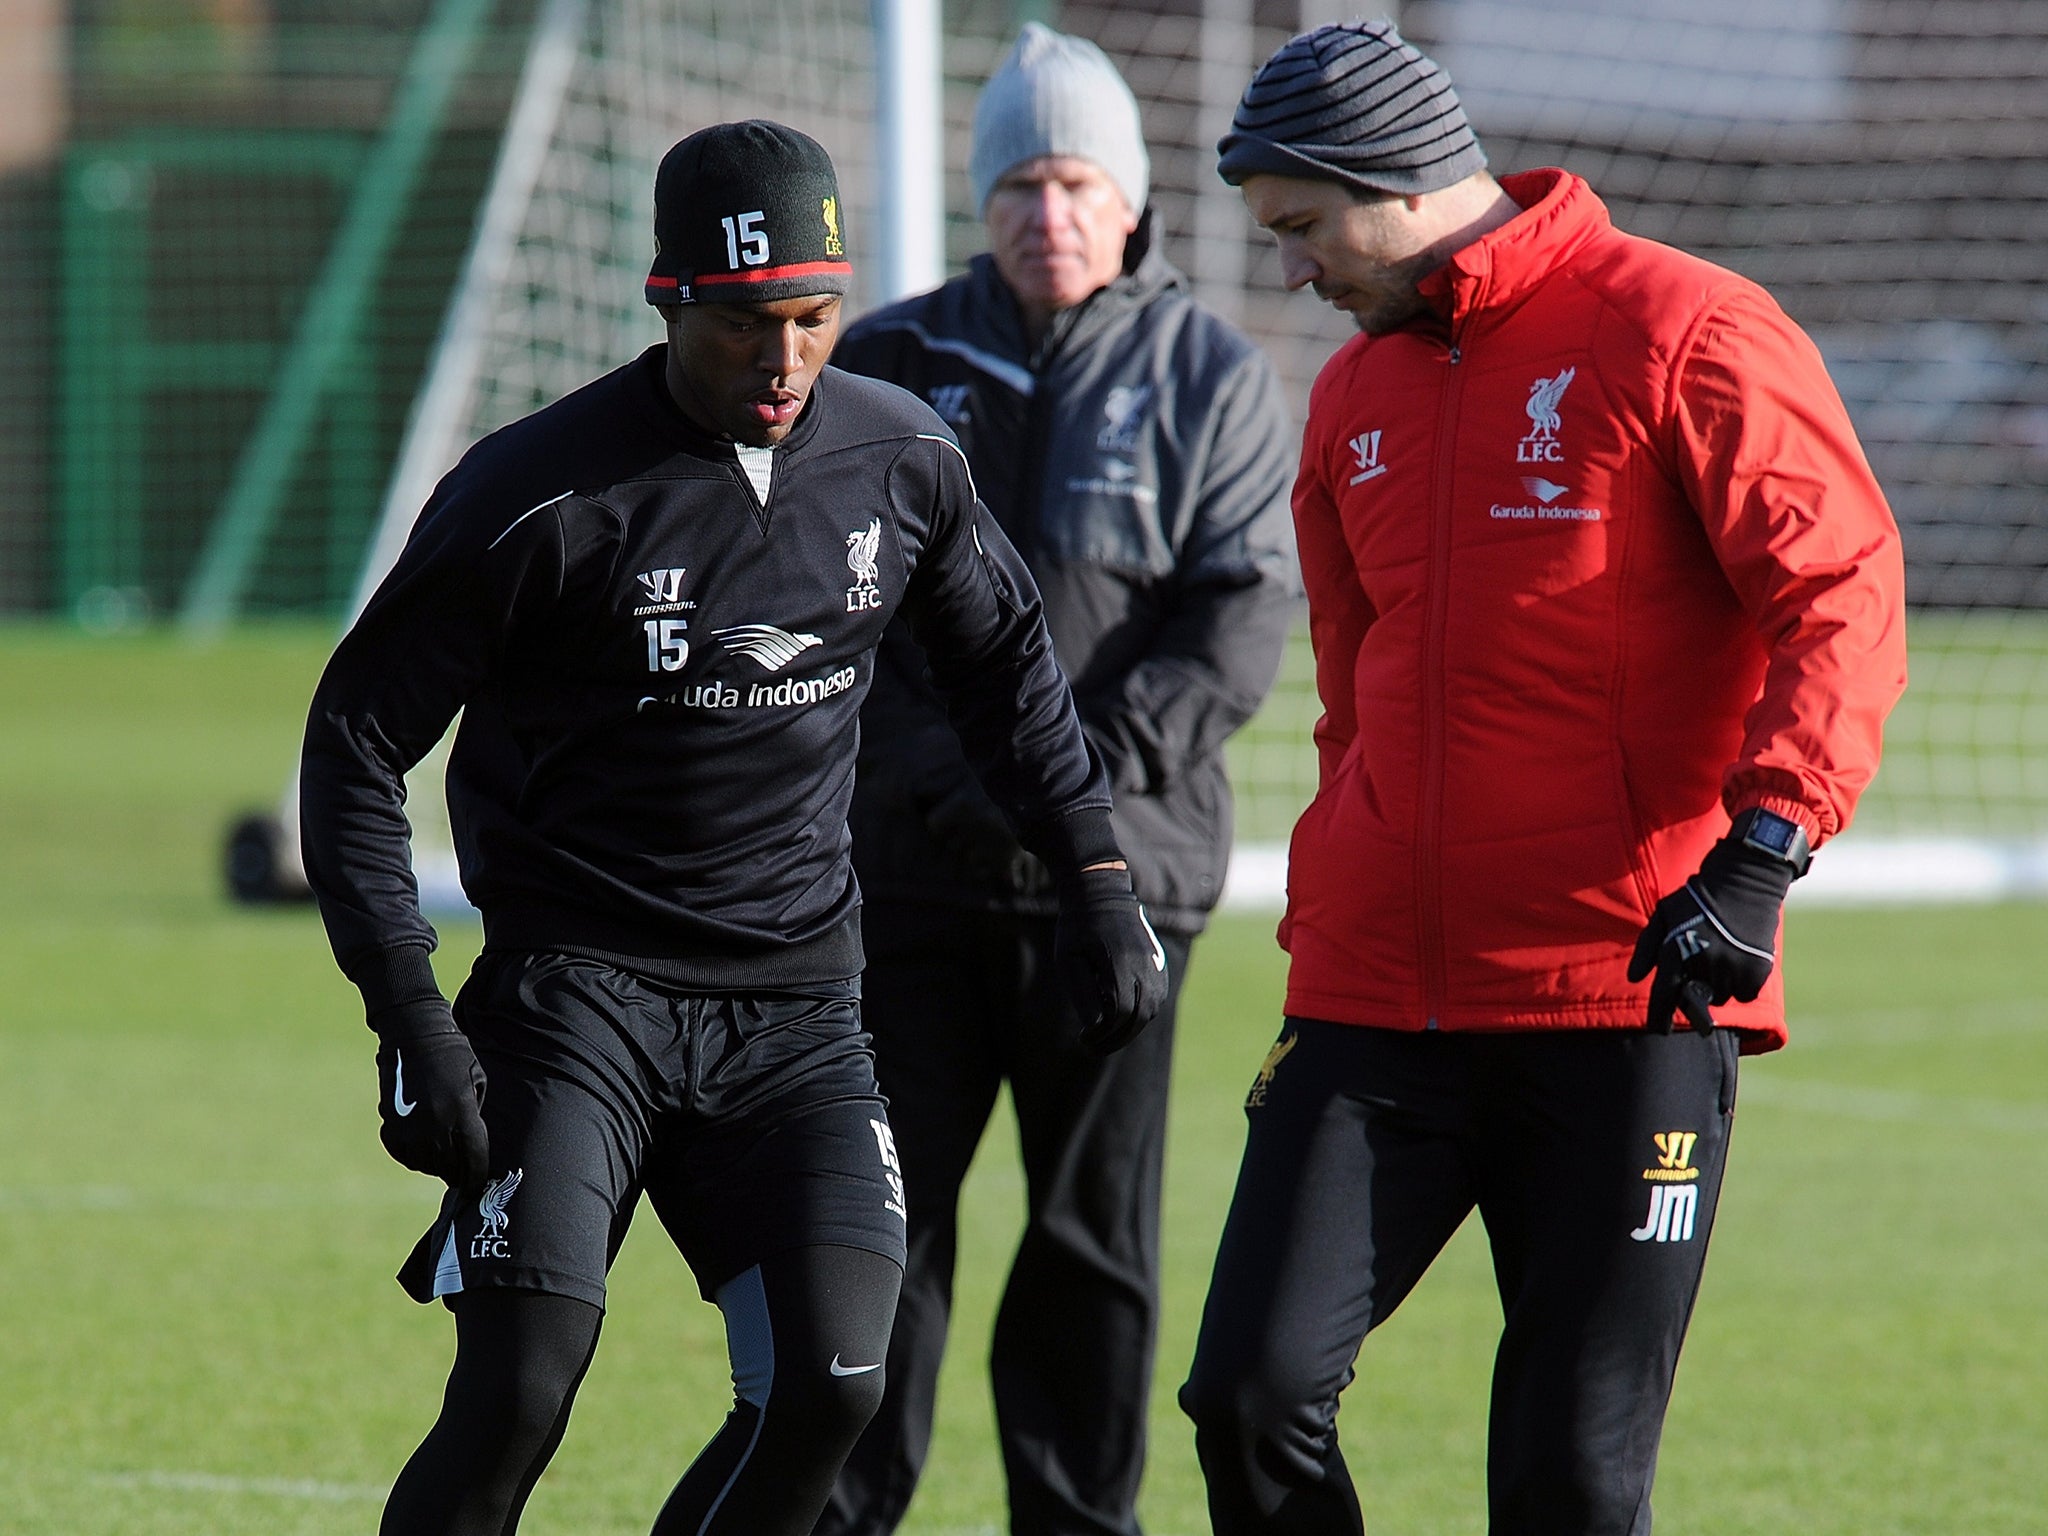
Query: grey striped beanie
(1352, 102)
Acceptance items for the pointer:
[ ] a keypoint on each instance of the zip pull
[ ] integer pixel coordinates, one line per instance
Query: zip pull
(1457, 354)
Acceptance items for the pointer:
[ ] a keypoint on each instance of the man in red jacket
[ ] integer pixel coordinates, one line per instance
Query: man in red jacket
(1606, 607)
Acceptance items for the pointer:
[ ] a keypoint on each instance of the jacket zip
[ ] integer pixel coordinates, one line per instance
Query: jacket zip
(1032, 465)
(1430, 808)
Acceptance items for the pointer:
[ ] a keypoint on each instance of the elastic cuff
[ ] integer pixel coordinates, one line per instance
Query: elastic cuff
(391, 978)
(1071, 842)
(1790, 809)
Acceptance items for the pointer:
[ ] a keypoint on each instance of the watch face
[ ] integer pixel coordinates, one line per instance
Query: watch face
(1774, 833)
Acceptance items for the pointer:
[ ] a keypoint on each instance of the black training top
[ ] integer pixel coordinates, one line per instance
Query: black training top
(660, 681)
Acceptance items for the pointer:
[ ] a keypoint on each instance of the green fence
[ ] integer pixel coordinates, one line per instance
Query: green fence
(228, 241)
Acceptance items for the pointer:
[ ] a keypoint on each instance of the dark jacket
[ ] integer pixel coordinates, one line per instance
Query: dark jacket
(1139, 460)
(660, 678)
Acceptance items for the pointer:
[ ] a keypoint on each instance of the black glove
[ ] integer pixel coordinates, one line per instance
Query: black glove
(1109, 959)
(973, 835)
(1713, 938)
(430, 1093)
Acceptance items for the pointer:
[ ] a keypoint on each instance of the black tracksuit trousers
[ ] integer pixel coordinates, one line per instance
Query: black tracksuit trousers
(958, 1003)
(1594, 1157)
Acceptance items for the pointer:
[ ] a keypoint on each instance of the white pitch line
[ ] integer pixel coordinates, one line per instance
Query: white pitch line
(264, 1487)
(1894, 1105)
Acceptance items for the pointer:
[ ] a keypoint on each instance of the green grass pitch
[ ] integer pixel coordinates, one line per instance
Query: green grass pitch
(199, 1332)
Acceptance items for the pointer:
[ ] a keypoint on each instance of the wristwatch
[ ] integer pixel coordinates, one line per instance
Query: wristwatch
(1778, 836)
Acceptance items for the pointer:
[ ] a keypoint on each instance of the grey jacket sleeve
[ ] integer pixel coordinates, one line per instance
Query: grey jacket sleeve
(1213, 660)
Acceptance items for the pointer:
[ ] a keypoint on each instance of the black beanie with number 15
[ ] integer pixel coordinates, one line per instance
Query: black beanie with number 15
(746, 213)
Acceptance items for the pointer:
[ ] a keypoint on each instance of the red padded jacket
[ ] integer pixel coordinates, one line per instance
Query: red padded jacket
(1594, 562)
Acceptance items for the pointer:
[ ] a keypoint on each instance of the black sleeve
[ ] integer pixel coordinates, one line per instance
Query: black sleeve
(974, 609)
(910, 754)
(430, 638)
(1215, 657)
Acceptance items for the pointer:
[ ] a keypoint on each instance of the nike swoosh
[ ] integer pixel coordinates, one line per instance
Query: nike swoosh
(1158, 949)
(852, 1370)
(400, 1104)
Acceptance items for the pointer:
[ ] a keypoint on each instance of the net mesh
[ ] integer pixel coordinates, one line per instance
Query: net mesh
(569, 305)
(176, 178)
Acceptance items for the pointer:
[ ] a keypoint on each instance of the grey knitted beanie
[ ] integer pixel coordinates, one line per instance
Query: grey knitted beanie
(1352, 102)
(1058, 95)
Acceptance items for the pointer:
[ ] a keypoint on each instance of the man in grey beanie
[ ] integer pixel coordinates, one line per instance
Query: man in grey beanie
(1135, 447)
(1607, 611)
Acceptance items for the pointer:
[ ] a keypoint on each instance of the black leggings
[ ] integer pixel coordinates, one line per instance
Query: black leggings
(803, 1327)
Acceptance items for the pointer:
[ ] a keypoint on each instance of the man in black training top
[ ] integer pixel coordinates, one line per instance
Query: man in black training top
(1137, 451)
(656, 605)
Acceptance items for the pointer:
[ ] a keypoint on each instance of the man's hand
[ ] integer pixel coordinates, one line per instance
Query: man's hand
(1714, 937)
(1109, 959)
(430, 1093)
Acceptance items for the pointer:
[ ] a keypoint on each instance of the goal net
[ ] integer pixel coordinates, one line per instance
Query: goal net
(1879, 165)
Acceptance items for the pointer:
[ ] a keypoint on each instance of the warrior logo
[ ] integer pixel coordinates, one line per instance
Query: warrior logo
(664, 589)
(1674, 1156)
(1541, 445)
(1124, 409)
(1366, 449)
(663, 586)
(862, 548)
(489, 1242)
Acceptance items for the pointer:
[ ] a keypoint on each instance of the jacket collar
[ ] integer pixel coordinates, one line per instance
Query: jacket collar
(1560, 215)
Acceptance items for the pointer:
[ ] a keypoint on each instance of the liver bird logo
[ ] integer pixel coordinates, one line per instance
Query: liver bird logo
(1123, 410)
(1271, 1065)
(1544, 396)
(492, 1206)
(862, 549)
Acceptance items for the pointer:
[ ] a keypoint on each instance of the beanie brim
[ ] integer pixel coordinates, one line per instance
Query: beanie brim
(1241, 154)
(768, 285)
